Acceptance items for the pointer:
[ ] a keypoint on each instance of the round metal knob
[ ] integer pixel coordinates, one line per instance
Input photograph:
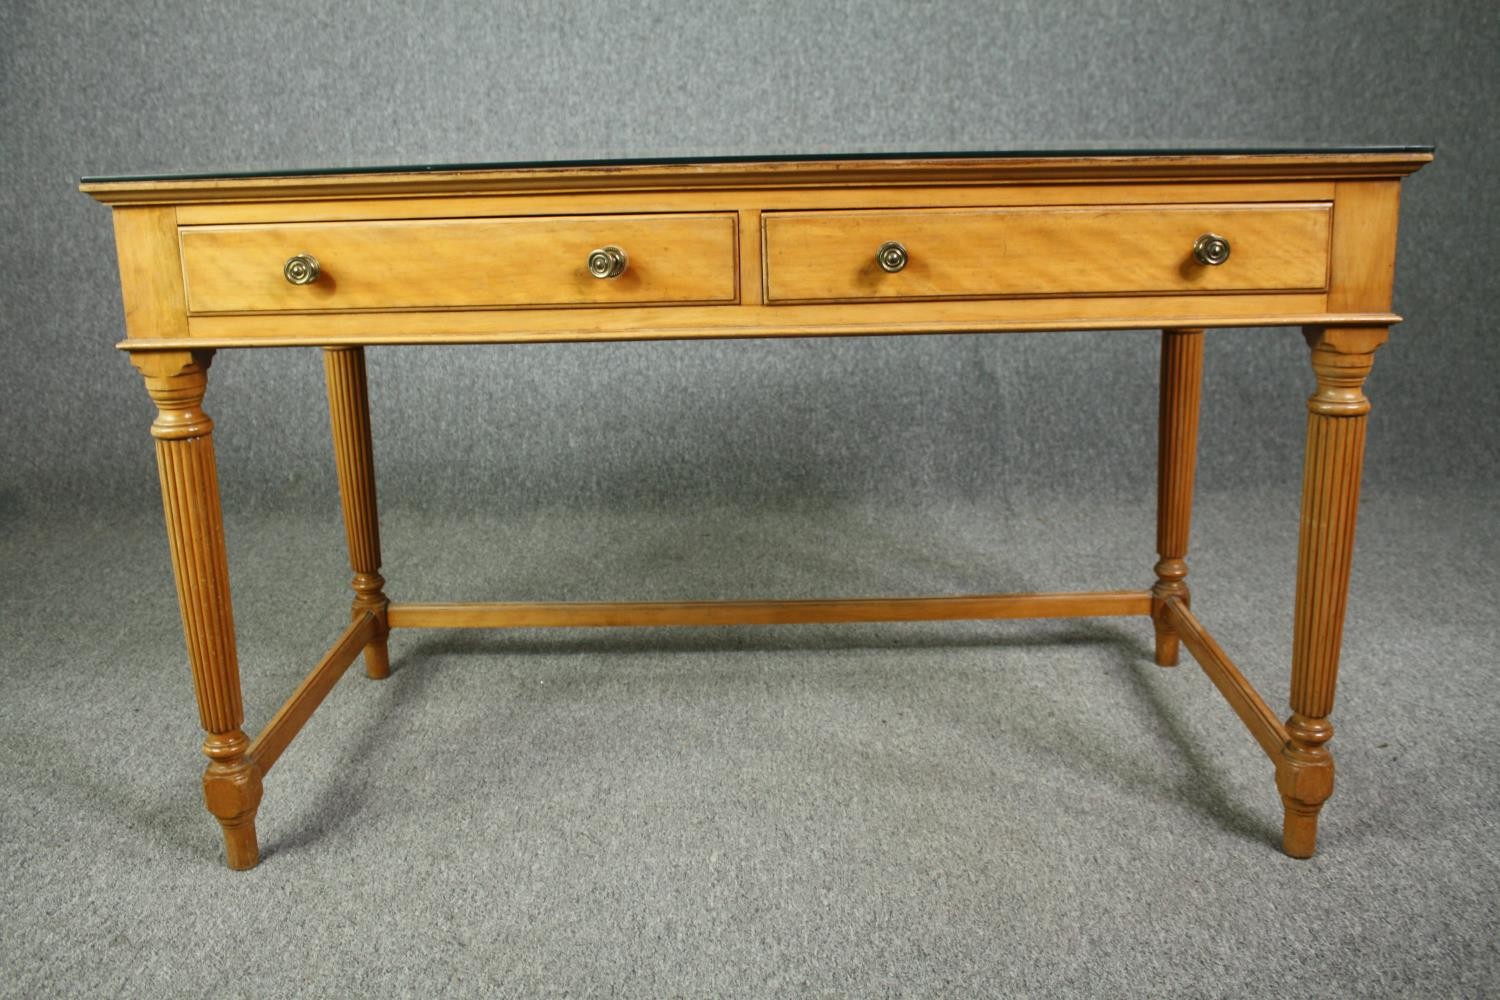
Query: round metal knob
(891, 256)
(608, 262)
(1210, 249)
(302, 269)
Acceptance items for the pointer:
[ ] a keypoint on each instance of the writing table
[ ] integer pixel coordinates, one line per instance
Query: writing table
(770, 247)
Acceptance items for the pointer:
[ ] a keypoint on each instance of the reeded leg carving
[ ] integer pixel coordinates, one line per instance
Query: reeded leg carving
(1176, 455)
(1341, 359)
(195, 529)
(349, 414)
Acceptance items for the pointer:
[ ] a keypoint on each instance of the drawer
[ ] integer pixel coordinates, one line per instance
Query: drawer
(462, 263)
(1099, 250)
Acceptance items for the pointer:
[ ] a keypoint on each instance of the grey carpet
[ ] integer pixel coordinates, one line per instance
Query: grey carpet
(947, 809)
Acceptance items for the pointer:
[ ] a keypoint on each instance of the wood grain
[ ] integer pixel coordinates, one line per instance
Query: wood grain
(150, 273)
(1116, 249)
(454, 263)
(1364, 246)
(1180, 391)
(428, 291)
(354, 457)
(862, 609)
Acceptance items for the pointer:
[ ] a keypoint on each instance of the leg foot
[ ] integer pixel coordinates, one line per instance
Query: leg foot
(241, 849)
(1304, 776)
(1299, 829)
(377, 660)
(231, 791)
(1168, 653)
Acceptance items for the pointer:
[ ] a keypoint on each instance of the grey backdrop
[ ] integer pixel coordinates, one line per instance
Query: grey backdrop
(829, 811)
(100, 88)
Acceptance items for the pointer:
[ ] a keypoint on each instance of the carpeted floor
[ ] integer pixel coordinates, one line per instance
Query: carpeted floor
(949, 809)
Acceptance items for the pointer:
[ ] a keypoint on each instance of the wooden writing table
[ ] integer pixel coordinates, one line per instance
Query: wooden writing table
(776, 247)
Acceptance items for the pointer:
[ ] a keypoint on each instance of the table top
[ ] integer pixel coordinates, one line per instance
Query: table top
(1073, 152)
(783, 171)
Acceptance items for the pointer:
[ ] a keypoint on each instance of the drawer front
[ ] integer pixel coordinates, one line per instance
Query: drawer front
(461, 263)
(982, 253)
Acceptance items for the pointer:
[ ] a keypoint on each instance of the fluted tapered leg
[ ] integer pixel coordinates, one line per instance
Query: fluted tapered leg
(349, 415)
(1176, 456)
(195, 530)
(1341, 359)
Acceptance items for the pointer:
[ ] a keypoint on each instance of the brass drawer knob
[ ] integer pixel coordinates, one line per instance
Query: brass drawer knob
(608, 262)
(891, 256)
(302, 269)
(1210, 249)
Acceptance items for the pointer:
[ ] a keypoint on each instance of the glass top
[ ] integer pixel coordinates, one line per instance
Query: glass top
(806, 156)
